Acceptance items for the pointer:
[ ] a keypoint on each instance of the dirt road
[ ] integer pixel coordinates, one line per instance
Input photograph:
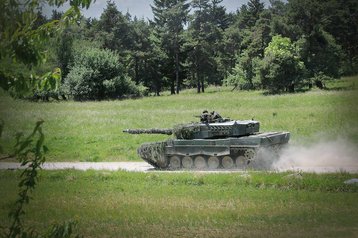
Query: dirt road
(144, 167)
(128, 166)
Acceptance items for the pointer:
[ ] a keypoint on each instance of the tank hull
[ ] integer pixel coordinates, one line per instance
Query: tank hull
(226, 153)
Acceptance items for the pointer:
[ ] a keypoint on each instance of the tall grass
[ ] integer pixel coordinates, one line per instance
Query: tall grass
(92, 131)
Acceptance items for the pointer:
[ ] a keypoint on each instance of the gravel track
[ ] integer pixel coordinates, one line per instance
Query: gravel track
(128, 166)
(145, 167)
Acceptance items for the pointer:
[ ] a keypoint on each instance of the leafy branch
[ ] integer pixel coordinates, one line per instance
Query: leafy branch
(30, 152)
(22, 41)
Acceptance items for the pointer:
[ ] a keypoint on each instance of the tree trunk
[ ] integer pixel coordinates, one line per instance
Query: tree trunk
(198, 81)
(136, 70)
(177, 71)
(202, 85)
(172, 87)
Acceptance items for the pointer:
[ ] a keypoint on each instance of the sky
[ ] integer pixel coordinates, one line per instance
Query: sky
(142, 9)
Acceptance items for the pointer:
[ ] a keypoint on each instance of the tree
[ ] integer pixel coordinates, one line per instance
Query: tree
(115, 30)
(229, 49)
(256, 37)
(156, 64)
(205, 39)
(141, 51)
(281, 69)
(250, 13)
(341, 22)
(169, 18)
(280, 23)
(23, 34)
(320, 52)
(64, 51)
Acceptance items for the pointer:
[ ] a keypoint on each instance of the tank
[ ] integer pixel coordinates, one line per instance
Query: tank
(210, 144)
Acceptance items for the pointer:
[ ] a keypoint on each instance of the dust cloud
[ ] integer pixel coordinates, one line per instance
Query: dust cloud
(325, 156)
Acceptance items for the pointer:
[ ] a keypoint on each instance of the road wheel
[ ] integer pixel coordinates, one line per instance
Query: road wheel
(227, 162)
(187, 162)
(174, 162)
(213, 162)
(200, 162)
(241, 162)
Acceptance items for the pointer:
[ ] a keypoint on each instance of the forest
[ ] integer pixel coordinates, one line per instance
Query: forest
(286, 46)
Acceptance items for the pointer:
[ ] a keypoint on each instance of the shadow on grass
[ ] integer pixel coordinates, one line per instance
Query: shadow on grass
(271, 93)
(304, 90)
(340, 88)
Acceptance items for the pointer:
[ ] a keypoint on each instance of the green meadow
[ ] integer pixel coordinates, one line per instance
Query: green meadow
(92, 131)
(159, 204)
(189, 204)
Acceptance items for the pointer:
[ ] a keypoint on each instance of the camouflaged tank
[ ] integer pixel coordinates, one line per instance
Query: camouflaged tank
(213, 143)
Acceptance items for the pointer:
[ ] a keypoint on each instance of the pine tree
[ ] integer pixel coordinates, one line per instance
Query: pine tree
(169, 19)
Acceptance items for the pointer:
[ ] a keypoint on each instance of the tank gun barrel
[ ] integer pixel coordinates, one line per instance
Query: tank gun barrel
(149, 131)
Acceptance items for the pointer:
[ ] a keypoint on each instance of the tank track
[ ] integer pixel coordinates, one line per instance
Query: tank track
(239, 158)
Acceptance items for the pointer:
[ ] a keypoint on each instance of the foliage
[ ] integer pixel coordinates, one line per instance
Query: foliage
(319, 80)
(330, 28)
(327, 54)
(169, 18)
(24, 32)
(236, 78)
(186, 45)
(204, 40)
(96, 74)
(185, 131)
(64, 51)
(281, 68)
(30, 152)
(19, 86)
(115, 30)
(243, 74)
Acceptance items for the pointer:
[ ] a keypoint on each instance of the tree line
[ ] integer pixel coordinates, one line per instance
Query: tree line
(286, 46)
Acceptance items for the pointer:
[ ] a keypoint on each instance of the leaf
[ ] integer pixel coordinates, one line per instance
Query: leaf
(45, 149)
(23, 145)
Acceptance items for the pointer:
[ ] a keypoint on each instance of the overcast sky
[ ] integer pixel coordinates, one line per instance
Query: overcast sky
(141, 8)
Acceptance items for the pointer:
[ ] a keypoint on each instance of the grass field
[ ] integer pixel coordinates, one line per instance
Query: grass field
(159, 204)
(92, 131)
(127, 204)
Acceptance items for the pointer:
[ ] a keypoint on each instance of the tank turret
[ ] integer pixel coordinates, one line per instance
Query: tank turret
(212, 143)
(205, 130)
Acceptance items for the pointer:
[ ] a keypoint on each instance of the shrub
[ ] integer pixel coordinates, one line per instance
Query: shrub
(243, 75)
(96, 74)
(281, 69)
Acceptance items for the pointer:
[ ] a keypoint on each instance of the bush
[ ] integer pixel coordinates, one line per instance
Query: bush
(96, 74)
(319, 80)
(242, 76)
(236, 78)
(281, 69)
